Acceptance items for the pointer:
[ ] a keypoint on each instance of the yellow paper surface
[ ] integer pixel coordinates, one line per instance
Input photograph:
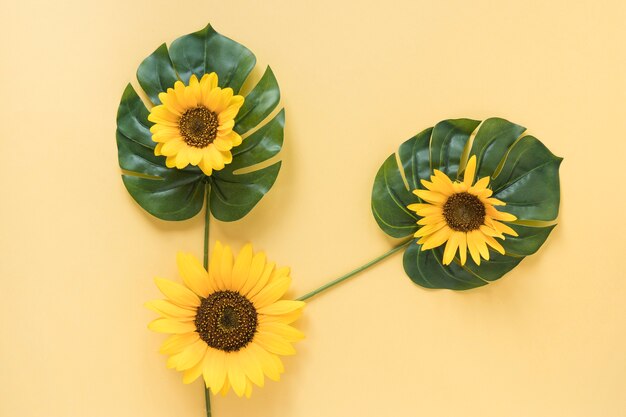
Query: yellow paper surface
(357, 79)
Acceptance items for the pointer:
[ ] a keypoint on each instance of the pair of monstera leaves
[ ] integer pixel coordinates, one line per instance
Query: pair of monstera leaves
(524, 172)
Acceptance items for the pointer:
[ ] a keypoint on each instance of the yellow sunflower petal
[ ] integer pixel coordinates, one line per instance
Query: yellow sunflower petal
(495, 202)
(429, 229)
(157, 149)
(233, 137)
(177, 342)
(173, 146)
(222, 144)
(190, 356)
(441, 185)
(263, 279)
(500, 215)
(226, 267)
(236, 376)
(443, 178)
(193, 273)
(274, 343)
(269, 362)
(460, 187)
(214, 266)
(426, 209)
(437, 238)
(272, 292)
(190, 97)
(191, 374)
(225, 128)
(179, 93)
(287, 332)
(215, 370)
(248, 391)
(483, 194)
(451, 247)
(470, 171)
(480, 185)
(225, 388)
(182, 158)
(170, 310)
(170, 161)
(503, 228)
(164, 325)
(212, 100)
(227, 114)
(206, 167)
(207, 83)
(490, 231)
(224, 100)
(236, 101)
(479, 239)
(251, 366)
(431, 197)
(170, 101)
(177, 293)
(281, 307)
(256, 270)
(194, 90)
(194, 155)
(286, 318)
(162, 114)
(227, 157)
(494, 244)
(241, 268)
(431, 219)
(472, 245)
(463, 247)
(216, 158)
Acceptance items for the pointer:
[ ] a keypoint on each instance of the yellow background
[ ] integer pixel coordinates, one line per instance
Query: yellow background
(357, 79)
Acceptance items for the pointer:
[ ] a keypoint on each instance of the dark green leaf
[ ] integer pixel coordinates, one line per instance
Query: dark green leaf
(390, 198)
(233, 198)
(493, 139)
(259, 103)
(490, 270)
(207, 51)
(132, 118)
(529, 240)
(447, 143)
(426, 269)
(234, 195)
(414, 155)
(156, 74)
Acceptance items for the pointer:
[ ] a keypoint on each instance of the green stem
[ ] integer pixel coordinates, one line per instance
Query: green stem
(354, 272)
(207, 221)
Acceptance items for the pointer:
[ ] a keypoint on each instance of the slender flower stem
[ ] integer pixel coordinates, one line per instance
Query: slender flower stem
(354, 272)
(207, 221)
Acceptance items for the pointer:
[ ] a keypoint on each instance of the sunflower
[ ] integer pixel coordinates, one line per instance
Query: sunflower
(461, 213)
(228, 324)
(194, 125)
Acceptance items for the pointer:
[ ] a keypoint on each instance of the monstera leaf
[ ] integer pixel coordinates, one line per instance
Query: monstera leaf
(524, 174)
(173, 194)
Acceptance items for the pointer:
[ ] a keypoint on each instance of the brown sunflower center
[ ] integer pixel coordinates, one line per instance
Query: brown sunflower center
(464, 212)
(226, 320)
(198, 126)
